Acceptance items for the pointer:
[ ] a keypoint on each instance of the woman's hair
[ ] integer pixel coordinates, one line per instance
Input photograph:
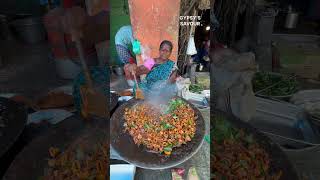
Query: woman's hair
(166, 42)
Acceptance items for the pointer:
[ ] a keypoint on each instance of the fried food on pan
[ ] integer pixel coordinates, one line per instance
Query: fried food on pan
(236, 155)
(161, 129)
(77, 163)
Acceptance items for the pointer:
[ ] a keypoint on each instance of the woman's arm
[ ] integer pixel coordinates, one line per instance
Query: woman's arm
(142, 70)
(173, 77)
(137, 70)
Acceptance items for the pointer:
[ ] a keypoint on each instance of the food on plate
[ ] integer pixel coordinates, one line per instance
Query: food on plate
(161, 128)
(237, 155)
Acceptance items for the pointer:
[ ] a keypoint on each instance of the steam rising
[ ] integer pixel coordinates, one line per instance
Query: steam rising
(157, 96)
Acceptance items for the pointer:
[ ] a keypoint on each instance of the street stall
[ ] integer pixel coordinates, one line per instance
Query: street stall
(265, 72)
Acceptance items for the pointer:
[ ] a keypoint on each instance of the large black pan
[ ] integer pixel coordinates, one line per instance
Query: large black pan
(123, 143)
(31, 162)
(278, 159)
(113, 102)
(15, 119)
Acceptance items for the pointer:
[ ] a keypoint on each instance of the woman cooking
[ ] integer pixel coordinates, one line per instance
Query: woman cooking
(161, 77)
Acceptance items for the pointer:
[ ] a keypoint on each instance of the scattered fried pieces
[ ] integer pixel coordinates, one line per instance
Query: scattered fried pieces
(54, 152)
(161, 131)
(236, 155)
(69, 166)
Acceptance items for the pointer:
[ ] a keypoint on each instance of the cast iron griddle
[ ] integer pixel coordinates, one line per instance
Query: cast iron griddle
(113, 101)
(123, 143)
(32, 160)
(278, 159)
(15, 119)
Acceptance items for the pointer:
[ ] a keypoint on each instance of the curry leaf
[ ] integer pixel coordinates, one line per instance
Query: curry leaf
(168, 148)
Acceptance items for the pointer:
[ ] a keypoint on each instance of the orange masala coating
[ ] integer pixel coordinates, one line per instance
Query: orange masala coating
(160, 132)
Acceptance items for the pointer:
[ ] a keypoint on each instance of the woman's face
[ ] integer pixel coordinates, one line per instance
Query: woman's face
(165, 52)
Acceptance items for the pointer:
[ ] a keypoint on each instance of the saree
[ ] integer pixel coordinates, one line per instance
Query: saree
(156, 82)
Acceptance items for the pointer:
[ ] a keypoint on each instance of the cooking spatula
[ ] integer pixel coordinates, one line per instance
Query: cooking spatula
(139, 93)
(94, 101)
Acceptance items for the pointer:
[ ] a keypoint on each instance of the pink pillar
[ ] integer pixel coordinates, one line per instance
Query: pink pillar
(155, 21)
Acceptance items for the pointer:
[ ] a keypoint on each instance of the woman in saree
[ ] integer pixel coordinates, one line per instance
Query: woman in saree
(161, 77)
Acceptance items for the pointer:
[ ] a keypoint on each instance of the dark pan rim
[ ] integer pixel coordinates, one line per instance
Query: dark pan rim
(154, 166)
(113, 101)
(168, 166)
(21, 112)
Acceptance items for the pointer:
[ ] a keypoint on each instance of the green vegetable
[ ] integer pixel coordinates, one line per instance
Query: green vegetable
(146, 126)
(196, 88)
(166, 125)
(249, 139)
(168, 148)
(285, 86)
(243, 163)
(174, 104)
(132, 125)
(223, 130)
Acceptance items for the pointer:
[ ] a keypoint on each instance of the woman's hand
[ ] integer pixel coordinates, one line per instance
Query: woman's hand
(142, 70)
(132, 68)
(128, 72)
